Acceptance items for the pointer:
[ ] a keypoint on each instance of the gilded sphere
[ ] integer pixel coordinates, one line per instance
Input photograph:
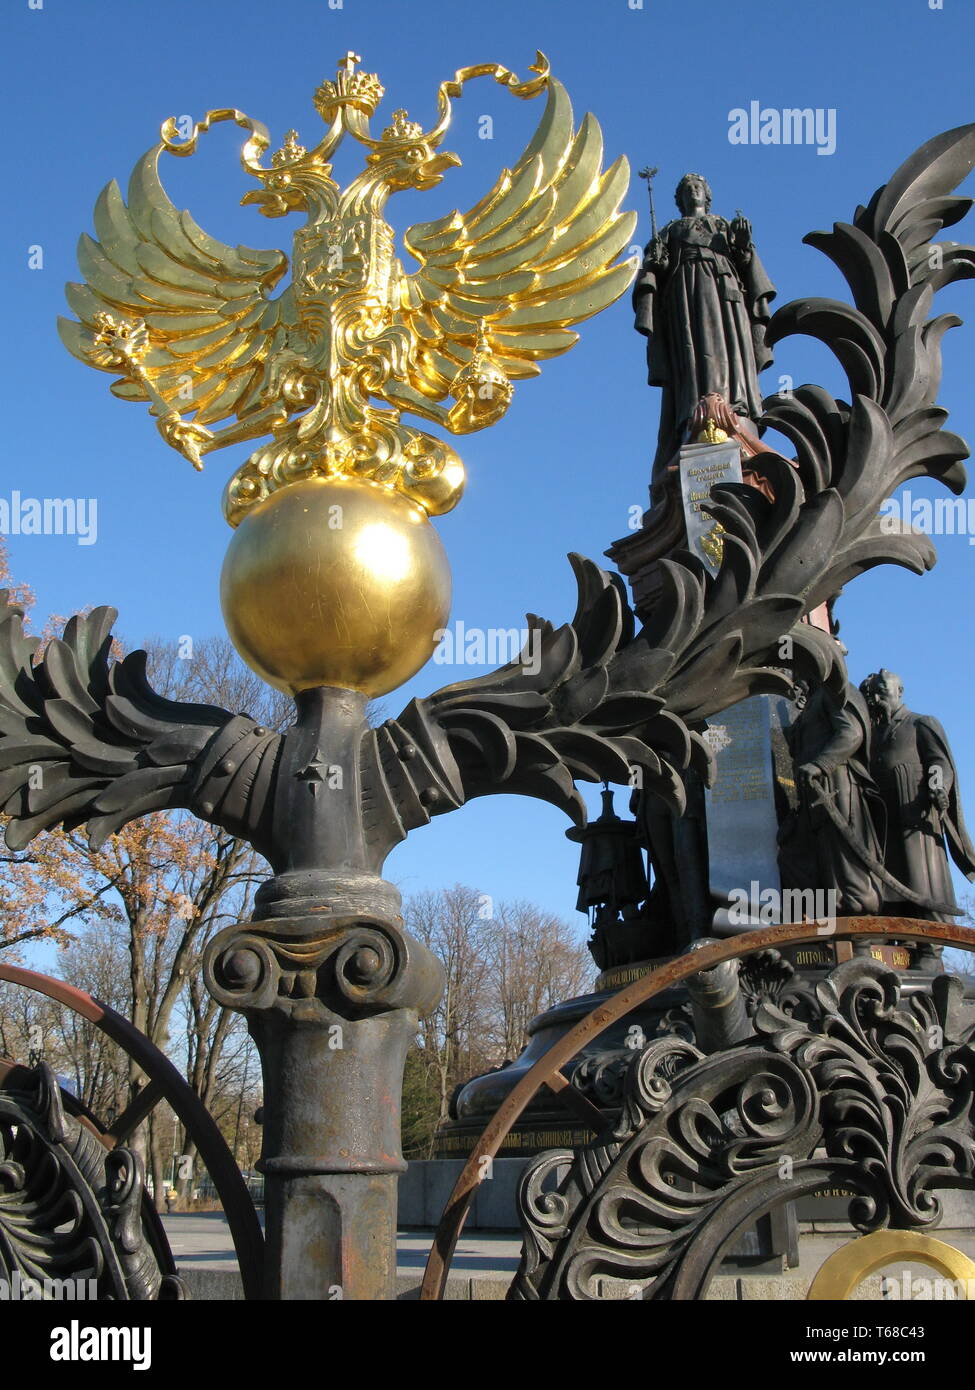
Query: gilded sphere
(335, 581)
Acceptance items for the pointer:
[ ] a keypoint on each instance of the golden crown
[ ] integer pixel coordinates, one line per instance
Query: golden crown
(363, 90)
(289, 151)
(402, 128)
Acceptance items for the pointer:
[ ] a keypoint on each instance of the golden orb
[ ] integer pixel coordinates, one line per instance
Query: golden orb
(335, 581)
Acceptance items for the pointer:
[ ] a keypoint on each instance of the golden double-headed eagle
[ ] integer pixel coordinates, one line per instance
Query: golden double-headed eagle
(192, 326)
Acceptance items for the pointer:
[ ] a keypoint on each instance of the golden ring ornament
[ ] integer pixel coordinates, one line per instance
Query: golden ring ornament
(323, 371)
(847, 1267)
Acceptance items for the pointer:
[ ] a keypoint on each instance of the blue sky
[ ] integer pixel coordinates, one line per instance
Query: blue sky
(87, 84)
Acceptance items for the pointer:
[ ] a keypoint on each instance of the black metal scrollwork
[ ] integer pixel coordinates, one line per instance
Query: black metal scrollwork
(871, 1092)
(71, 1211)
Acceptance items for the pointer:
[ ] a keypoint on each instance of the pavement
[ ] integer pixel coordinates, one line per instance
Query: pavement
(201, 1240)
(485, 1263)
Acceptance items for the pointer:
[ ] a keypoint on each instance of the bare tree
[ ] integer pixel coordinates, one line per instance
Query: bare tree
(534, 961)
(504, 964)
(452, 925)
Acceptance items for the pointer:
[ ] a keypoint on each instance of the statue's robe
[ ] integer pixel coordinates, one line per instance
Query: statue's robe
(833, 733)
(906, 749)
(705, 315)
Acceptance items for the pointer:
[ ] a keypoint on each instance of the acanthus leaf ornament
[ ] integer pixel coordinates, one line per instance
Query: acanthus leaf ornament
(328, 366)
(861, 1088)
(73, 1216)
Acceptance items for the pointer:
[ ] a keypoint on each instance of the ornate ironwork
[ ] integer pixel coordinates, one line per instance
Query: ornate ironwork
(766, 977)
(875, 1095)
(546, 1071)
(71, 1211)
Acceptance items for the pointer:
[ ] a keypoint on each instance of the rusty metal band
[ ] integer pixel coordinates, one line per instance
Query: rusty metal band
(238, 1206)
(605, 1014)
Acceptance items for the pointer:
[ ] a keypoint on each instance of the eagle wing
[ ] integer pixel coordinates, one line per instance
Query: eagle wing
(211, 325)
(532, 258)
